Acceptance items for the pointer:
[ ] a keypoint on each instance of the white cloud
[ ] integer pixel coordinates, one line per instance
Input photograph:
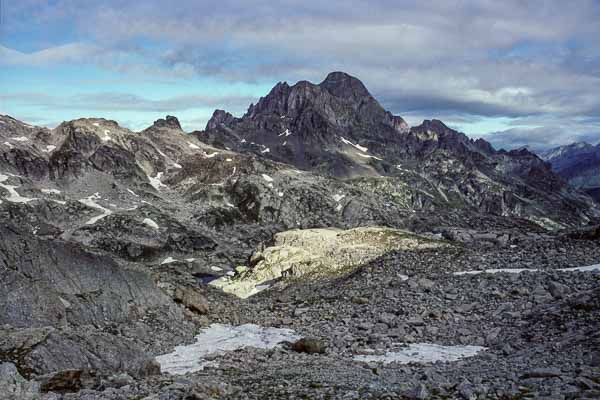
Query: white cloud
(482, 58)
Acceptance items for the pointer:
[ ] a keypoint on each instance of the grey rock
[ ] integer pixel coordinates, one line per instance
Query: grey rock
(419, 392)
(558, 290)
(542, 373)
(466, 390)
(14, 386)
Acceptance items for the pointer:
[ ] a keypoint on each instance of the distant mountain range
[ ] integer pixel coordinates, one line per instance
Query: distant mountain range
(579, 164)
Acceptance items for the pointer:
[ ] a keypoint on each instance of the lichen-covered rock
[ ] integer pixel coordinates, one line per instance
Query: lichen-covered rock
(317, 253)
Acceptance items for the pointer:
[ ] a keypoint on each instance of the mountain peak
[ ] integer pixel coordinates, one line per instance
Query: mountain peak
(219, 117)
(168, 122)
(341, 84)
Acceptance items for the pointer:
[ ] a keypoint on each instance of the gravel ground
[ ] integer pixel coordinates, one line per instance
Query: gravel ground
(540, 330)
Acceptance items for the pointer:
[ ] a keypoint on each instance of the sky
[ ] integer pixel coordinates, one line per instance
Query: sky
(516, 73)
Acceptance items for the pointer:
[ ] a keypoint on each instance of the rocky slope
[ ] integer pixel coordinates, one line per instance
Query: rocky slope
(579, 164)
(110, 239)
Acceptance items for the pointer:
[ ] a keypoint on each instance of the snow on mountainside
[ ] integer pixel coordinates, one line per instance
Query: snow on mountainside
(340, 130)
(579, 164)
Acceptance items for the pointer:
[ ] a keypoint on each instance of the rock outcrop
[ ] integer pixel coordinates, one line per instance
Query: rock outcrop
(318, 253)
(60, 304)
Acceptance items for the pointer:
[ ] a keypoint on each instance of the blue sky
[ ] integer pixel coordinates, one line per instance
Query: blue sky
(514, 72)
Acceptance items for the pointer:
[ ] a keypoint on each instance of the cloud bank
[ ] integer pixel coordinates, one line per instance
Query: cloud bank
(534, 63)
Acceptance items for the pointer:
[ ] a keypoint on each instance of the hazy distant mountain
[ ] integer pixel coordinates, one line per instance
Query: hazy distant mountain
(578, 163)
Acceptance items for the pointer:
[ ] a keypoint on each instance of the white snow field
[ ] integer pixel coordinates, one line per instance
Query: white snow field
(217, 339)
(423, 353)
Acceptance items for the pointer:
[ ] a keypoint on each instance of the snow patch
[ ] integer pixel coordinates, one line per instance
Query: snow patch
(496, 271)
(20, 139)
(106, 136)
(156, 181)
(229, 160)
(280, 194)
(10, 146)
(91, 202)
(356, 146)
(51, 191)
(49, 149)
(150, 223)
(211, 155)
(178, 166)
(285, 133)
(266, 150)
(589, 268)
(96, 124)
(13, 195)
(216, 269)
(193, 146)
(168, 260)
(423, 353)
(218, 339)
(267, 178)
(338, 197)
(132, 192)
(368, 156)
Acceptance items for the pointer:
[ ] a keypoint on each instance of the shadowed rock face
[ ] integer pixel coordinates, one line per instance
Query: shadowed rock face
(57, 284)
(59, 300)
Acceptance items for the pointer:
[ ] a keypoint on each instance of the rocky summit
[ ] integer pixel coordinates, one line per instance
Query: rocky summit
(316, 247)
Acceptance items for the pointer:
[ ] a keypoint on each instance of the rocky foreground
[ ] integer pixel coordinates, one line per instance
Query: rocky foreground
(539, 330)
(316, 247)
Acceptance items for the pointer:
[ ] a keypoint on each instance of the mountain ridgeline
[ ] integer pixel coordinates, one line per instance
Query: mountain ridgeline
(338, 129)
